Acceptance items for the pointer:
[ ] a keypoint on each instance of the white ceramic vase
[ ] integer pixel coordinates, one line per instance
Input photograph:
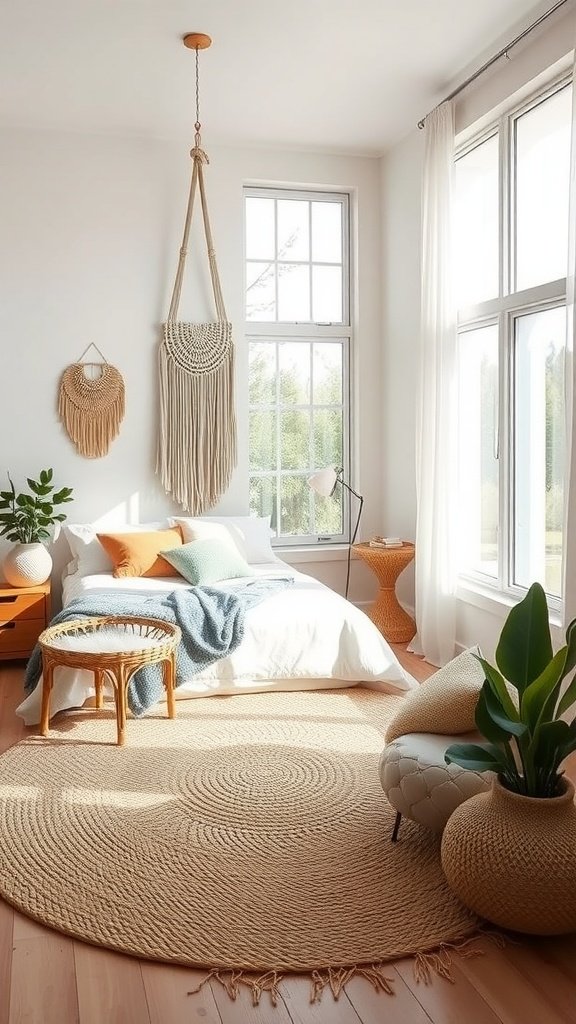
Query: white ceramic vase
(27, 565)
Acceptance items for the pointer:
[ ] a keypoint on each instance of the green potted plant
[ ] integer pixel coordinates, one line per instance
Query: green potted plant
(510, 853)
(26, 520)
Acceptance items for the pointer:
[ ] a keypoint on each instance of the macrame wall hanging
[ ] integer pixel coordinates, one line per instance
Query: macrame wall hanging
(91, 408)
(197, 438)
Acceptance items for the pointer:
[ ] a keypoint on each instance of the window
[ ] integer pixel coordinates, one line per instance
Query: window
(511, 241)
(298, 326)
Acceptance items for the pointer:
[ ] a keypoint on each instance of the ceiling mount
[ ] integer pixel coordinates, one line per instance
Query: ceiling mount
(197, 41)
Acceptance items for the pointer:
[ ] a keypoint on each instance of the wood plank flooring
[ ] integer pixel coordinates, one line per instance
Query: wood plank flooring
(47, 978)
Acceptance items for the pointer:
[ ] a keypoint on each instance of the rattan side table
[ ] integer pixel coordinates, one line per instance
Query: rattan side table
(113, 648)
(386, 613)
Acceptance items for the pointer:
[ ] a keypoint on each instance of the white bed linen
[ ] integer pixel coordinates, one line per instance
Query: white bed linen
(304, 637)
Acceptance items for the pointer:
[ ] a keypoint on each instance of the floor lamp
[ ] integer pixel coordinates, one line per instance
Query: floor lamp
(324, 482)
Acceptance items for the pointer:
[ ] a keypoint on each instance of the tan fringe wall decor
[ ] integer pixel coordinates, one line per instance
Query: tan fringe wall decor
(91, 409)
(197, 432)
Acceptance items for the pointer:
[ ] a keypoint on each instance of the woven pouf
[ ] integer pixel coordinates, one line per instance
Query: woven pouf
(512, 859)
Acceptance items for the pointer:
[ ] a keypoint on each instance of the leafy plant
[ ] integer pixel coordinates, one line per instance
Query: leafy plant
(26, 517)
(527, 738)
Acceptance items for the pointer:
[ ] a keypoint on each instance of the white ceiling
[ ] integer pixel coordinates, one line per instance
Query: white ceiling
(349, 75)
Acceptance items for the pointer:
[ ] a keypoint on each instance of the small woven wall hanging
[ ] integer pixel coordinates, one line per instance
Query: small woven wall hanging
(197, 436)
(91, 409)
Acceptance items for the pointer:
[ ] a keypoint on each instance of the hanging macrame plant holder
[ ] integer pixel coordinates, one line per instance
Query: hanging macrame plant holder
(91, 409)
(197, 440)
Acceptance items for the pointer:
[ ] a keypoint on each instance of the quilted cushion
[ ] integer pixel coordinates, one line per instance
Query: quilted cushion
(419, 783)
(444, 703)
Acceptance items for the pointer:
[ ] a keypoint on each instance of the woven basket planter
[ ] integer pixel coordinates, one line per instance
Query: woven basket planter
(512, 859)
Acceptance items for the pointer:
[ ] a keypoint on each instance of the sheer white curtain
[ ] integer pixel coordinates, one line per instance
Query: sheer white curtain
(436, 438)
(569, 539)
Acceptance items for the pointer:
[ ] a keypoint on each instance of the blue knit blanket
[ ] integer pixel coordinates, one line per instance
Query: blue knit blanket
(211, 620)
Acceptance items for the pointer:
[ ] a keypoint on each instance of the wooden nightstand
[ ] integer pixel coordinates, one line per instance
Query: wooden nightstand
(24, 613)
(387, 613)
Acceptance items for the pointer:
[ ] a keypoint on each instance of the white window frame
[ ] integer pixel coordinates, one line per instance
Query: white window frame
(309, 331)
(504, 310)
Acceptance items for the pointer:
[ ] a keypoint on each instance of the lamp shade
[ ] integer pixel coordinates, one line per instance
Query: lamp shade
(324, 481)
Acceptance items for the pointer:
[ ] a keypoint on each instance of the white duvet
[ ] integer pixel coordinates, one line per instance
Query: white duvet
(303, 637)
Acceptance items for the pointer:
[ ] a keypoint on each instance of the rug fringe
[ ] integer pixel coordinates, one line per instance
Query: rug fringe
(437, 962)
(257, 984)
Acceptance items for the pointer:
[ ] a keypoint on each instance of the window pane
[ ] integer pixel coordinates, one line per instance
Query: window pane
(260, 291)
(260, 240)
(293, 292)
(327, 437)
(263, 498)
(327, 232)
(542, 176)
(293, 229)
(262, 373)
(295, 440)
(539, 448)
(327, 374)
(478, 464)
(476, 236)
(294, 367)
(328, 514)
(295, 505)
(327, 294)
(263, 441)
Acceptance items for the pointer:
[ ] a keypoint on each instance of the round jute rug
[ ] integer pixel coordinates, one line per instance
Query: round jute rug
(249, 833)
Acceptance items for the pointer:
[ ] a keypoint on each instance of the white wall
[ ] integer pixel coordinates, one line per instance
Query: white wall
(401, 174)
(88, 246)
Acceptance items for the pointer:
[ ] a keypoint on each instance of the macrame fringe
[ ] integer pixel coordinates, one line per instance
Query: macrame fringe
(439, 962)
(197, 440)
(91, 411)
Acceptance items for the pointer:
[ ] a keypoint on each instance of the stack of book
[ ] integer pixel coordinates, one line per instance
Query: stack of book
(385, 542)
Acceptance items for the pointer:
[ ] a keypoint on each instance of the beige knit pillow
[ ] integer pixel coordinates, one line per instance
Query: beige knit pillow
(445, 703)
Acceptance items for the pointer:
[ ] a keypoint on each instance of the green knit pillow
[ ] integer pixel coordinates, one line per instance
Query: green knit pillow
(207, 561)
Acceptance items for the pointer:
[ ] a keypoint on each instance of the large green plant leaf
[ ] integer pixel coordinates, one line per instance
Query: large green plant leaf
(485, 724)
(546, 745)
(525, 646)
(498, 685)
(568, 698)
(491, 717)
(476, 757)
(536, 704)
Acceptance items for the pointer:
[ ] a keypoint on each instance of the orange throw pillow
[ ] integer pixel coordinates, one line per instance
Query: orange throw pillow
(138, 554)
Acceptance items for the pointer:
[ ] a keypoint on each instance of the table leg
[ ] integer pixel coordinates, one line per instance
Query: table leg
(169, 667)
(98, 683)
(120, 687)
(47, 679)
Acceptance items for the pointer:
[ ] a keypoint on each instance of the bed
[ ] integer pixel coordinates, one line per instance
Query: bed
(304, 637)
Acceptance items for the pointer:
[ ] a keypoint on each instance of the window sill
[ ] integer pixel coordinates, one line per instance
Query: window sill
(317, 553)
(495, 602)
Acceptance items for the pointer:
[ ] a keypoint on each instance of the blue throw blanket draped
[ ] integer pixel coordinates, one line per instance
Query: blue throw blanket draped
(211, 620)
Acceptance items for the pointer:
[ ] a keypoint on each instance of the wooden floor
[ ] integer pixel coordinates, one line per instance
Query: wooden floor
(46, 978)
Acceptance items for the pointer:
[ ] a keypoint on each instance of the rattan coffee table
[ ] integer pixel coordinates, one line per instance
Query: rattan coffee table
(113, 648)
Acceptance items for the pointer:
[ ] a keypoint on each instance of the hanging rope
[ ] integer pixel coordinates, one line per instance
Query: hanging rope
(197, 439)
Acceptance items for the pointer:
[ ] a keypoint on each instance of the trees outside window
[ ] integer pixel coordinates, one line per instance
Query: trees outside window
(298, 326)
(511, 238)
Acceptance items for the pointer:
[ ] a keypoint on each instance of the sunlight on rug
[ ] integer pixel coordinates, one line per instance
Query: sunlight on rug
(250, 836)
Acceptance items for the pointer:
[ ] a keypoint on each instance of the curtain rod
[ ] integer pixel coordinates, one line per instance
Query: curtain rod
(501, 53)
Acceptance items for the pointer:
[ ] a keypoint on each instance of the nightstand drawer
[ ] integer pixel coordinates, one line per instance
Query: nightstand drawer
(21, 606)
(19, 636)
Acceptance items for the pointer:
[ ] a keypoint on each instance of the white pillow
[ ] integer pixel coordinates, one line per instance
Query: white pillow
(202, 529)
(251, 534)
(90, 556)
